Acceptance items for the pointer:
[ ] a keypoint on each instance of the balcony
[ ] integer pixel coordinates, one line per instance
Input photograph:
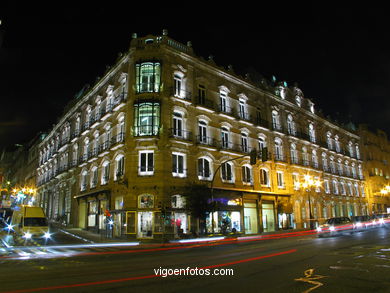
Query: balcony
(277, 127)
(119, 101)
(117, 141)
(180, 134)
(207, 141)
(181, 95)
(203, 103)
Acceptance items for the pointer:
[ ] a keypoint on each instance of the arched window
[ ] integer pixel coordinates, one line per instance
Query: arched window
(225, 138)
(178, 127)
(290, 125)
(105, 172)
(94, 176)
(305, 157)
(202, 130)
(204, 169)
(83, 180)
(337, 143)
(278, 149)
(325, 162)
(119, 166)
(244, 143)
(275, 120)
(314, 158)
(312, 133)
(246, 174)
(298, 100)
(227, 172)
(329, 140)
(264, 177)
(294, 154)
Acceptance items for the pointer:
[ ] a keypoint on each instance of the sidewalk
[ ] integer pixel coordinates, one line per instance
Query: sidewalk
(90, 237)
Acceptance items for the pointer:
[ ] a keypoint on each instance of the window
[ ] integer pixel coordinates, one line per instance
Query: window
(177, 124)
(280, 179)
(262, 143)
(242, 109)
(337, 143)
(335, 187)
(356, 186)
(264, 177)
(178, 165)
(146, 118)
(244, 142)
(324, 162)
(105, 172)
(83, 181)
(326, 186)
(318, 184)
(305, 157)
(329, 140)
(275, 120)
(119, 166)
(357, 152)
(342, 188)
(278, 149)
(340, 167)
(201, 95)
(146, 163)
(223, 102)
(148, 77)
(295, 179)
(314, 159)
(350, 149)
(246, 174)
(350, 190)
(227, 172)
(146, 201)
(290, 125)
(332, 165)
(94, 177)
(202, 128)
(178, 85)
(225, 137)
(204, 169)
(312, 133)
(294, 154)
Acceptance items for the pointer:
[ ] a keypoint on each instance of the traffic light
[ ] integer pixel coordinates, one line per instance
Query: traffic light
(253, 157)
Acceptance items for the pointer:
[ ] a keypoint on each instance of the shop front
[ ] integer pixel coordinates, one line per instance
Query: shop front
(228, 215)
(92, 211)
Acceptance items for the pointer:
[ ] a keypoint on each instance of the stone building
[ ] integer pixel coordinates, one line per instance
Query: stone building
(163, 119)
(376, 157)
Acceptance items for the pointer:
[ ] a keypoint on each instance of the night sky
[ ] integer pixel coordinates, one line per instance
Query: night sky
(339, 56)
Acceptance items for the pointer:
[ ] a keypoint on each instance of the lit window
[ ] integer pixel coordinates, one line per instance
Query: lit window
(94, 176)
(105, 172)
(146, 118)
(202, 129)
(225, 138)
(148, 77)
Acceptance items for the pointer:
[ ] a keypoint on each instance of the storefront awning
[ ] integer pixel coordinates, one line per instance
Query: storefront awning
(93, 194)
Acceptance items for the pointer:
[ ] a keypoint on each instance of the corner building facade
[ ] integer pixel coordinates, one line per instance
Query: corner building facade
(163, 119)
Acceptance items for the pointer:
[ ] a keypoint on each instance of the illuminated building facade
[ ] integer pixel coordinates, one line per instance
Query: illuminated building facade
(163, 119)
(376, 157)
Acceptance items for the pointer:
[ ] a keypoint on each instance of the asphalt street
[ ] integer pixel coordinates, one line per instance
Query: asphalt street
(358, 262)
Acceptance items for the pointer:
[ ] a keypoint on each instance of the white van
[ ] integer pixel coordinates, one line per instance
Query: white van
(30, 222)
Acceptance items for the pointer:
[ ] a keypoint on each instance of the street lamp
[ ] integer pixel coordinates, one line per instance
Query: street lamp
(307, 185)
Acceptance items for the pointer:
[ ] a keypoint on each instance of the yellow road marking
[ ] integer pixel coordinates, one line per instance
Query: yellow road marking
(311, 279)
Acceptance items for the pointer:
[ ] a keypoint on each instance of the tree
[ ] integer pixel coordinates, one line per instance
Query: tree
(199, 203)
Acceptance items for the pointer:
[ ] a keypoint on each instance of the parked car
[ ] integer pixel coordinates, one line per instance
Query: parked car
(361, 223)
(334, 226)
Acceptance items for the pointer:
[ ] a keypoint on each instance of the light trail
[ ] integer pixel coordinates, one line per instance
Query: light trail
(145, 277)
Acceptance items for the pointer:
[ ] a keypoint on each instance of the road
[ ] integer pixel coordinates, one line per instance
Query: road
(349, 263)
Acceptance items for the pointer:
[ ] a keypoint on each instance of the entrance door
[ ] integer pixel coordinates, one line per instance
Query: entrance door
(268, 217)
(145, 225)
(250, 218)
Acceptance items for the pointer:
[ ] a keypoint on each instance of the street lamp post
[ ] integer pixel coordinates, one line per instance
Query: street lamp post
(307, 185)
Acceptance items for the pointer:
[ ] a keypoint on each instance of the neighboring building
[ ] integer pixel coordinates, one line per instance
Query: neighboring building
(162, 119)
(376, 156)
